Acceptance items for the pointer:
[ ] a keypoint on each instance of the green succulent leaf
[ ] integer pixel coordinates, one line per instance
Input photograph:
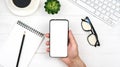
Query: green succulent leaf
(52, 6)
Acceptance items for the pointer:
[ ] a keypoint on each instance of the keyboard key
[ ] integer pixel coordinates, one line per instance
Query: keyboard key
(111, 11)
(88, 2)
(86, 6)
(109, 0)
(102, 16)
(105, 2)
(92, 5)
(100, 9)
(74, 0)
(84, 0)
(108, 14)
(104, 6)
(103, 11)
(92, 0)
(118, 4)
(117, 14)
(97, 13)
(110, 22)
(117, 9)
(114, 21)
(108, 9)
(100, 3)
(114, 2)
(113, 7)
(101, 0)
(96, 1)
(113, 17)
(109, 4)
(96, 6)
(106, 18)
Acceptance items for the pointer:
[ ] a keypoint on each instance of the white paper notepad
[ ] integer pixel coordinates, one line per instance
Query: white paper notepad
(10, 51)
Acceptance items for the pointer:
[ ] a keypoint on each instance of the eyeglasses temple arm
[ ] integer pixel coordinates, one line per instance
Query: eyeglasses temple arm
(94, 32)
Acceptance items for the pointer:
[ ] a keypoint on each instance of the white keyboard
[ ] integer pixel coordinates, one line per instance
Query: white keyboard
(106, 10)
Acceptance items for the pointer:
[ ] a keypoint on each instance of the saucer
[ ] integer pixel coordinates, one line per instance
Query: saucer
(31, 8)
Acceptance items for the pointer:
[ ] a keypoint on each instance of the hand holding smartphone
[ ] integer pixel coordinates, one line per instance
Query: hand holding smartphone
(59, 37)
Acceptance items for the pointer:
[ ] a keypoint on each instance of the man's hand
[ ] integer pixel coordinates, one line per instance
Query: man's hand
(73, 59)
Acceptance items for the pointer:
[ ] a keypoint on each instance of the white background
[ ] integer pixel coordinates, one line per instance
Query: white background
(107, 55)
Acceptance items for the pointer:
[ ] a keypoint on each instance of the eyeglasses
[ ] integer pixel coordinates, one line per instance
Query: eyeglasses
(88, 27)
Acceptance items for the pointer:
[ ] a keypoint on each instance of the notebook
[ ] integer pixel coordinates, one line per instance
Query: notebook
(32, 41)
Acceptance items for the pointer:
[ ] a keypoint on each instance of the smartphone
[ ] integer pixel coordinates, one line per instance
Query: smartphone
(58, 37)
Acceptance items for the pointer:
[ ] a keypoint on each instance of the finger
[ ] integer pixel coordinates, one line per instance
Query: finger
(48, 43)
(47, 35)
(71, 38)
(48, 49)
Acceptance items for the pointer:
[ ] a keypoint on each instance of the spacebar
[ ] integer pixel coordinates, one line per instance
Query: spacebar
(85, 6)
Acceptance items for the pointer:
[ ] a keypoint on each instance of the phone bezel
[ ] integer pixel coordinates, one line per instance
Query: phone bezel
(67, 35)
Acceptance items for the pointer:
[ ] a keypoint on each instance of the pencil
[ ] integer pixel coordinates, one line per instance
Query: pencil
(20, 51)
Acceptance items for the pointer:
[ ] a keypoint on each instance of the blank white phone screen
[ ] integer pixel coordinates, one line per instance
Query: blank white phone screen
(58, 38)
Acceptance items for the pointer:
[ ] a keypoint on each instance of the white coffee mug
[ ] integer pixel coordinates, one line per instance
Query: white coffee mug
(23, 11)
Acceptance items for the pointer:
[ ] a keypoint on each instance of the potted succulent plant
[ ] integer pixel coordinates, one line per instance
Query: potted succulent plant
(52, 6)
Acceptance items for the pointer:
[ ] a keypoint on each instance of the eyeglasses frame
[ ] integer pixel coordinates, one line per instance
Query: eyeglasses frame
(87, 20)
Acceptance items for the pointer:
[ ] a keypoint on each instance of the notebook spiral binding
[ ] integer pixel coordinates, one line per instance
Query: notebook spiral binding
(30, 29)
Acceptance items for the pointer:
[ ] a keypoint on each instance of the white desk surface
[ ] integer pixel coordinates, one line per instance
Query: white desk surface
(107, 55)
